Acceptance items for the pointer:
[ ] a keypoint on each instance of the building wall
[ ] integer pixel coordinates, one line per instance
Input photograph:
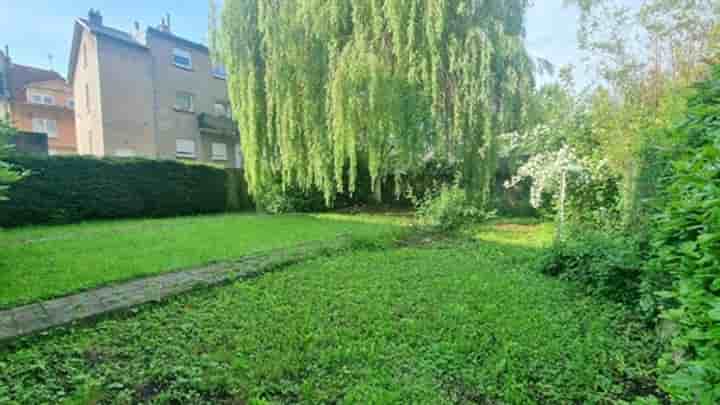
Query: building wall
(64, 143)
(126, 96)
(88, 111)
(206, 150)
(23, 112)
(206, 90)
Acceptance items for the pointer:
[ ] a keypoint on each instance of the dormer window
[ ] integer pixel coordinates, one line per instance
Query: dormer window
(182, 58)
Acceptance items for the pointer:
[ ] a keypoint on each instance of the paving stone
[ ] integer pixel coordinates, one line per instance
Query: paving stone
(37, 317)
(30, 318)
(7, 326)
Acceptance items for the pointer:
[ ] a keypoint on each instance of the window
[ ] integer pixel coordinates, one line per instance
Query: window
(219, 151)
(182, 58)
(45, 126)
(70, 104)
(41, 98)
(125, 153)
(222, 110)
(219, 72)
(185, 148)
(184, 101)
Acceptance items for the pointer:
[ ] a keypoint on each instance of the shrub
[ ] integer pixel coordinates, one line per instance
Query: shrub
(71, 189)
(606, 264)
(687, 241)
(449, 208)
(275, 200)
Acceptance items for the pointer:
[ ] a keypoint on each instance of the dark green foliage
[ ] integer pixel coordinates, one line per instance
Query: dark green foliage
(274, 200)
(71, 189)
(595, 201)
(427, 178)
(607, 264)
(514, 201)
(449, 208)
(687, 245)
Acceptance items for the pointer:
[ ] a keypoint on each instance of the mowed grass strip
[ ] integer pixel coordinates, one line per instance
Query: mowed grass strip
(454, 323)
(43, 262)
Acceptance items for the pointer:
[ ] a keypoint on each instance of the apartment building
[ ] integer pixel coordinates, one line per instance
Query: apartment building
(149, 93)
(40, 101)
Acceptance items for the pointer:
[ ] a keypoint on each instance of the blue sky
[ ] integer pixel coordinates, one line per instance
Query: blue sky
(35, 29)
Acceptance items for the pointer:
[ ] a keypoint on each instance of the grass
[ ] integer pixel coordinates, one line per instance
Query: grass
(456, 321)
(44, 262)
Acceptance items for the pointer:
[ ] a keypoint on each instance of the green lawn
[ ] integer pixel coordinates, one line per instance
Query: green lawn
(42, 262)
(455, 321)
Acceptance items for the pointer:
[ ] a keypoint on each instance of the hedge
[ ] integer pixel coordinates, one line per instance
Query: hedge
(71, 189)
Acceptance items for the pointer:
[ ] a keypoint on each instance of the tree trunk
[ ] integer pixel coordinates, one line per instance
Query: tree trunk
(377, 191)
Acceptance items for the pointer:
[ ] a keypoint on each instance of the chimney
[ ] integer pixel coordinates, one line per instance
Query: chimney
(95, 17)
(136, 31)
(165, 24)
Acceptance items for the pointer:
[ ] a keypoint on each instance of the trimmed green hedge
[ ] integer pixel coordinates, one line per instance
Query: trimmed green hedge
(71, 189)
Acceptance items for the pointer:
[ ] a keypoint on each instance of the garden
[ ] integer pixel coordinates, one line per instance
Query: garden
(493, 231)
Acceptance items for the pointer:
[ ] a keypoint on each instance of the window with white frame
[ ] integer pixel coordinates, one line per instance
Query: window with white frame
(219, 151)
(184, 101)
(185, 148)
(37, 97)
(182, 58)
(219, 72)
(45, 126)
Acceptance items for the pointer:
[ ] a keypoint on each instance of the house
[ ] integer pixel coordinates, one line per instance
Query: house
(38, 101)
(149, 93)
(42, 102)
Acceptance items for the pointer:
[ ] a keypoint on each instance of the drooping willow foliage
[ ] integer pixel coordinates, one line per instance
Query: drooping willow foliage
(319, 87)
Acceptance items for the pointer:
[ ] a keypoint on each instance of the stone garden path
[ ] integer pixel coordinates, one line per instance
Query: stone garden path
(44, 315)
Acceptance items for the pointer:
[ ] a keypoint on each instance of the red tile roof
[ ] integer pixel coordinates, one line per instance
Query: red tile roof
(20, 76)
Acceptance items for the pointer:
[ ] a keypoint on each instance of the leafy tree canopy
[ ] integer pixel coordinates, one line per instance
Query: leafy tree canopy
(319, 86)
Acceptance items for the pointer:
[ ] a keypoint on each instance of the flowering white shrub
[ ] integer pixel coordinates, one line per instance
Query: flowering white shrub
(547, 171)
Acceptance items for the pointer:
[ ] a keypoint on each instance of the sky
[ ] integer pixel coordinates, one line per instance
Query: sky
(35, 29)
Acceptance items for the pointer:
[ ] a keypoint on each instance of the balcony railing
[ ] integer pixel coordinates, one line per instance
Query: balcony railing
(213, 124)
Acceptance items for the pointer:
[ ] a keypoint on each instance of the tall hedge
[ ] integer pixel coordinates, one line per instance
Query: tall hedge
(71, 189)
(687, 241)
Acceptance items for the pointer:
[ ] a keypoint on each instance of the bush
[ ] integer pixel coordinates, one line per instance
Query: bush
(275, 200)
(687, 241)
(448, 209)
(70, 189)
(609, 265)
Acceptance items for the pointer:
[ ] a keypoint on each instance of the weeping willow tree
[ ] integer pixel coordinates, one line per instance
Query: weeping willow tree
(321, 86)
